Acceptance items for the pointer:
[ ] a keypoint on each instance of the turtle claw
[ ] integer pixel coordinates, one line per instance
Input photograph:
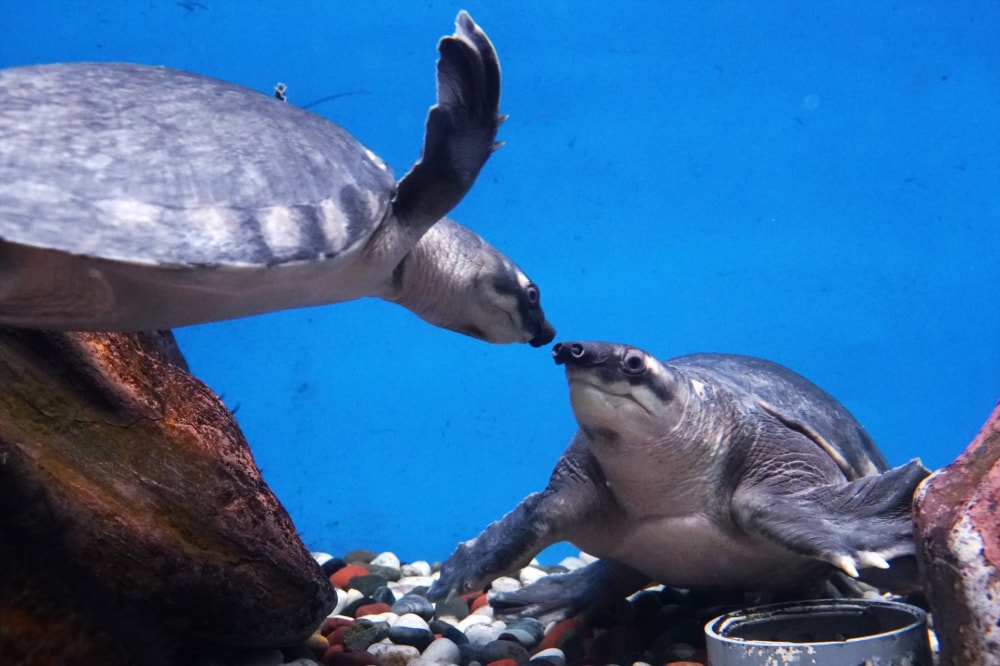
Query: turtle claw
(867, 558)
(847, 565)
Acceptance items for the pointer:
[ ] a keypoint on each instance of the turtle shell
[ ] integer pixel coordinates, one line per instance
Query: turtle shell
(150, 165)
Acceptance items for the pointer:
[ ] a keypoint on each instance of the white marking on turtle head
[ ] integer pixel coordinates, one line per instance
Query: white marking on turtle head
(376, 160)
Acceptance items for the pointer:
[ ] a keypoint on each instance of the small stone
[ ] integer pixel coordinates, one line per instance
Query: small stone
(481, 634)
(384, 595)
(389, 654)
(317, 643)
(449, 631)
(302, 661)
(571, 563)
(386, 559)
(569, 636)
(416, 604)
(360, 556)
(413, 621)
(442, 651)
(505, 584)
(415, 636)
(497, 650)
(367, 584)
(504, 662)
(336, 656)
(549, 657)
(363, 633)
(529, 575)
(351, 609)
(371, 609)
(418, 568)
(478, 602)
(388, 573)
(342, 577)
(452, 605)
(526, 631)
(328, 563)
(331, 624)
(411, 585)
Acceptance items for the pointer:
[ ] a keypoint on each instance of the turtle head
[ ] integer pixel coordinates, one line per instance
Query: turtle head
(620, 392)
(454, 279)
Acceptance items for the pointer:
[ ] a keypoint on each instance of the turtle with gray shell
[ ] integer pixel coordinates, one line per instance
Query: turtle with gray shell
(136, 197)
(708, 471)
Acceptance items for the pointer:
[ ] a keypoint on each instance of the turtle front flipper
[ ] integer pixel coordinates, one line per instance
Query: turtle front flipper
(461, 128)
(504, 547)
(587, 592)
(857, 524)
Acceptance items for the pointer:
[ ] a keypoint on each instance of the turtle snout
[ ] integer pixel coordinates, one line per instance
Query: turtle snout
(578, 353)
(544, 335)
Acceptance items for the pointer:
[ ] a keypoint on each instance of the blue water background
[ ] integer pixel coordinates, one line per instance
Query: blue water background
(815, 183)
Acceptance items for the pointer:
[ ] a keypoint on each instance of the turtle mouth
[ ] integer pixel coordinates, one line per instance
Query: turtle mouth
(543, 335)
(583, 383)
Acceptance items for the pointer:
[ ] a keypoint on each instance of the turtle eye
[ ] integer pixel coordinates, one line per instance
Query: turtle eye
(633, 362)
(532, 294)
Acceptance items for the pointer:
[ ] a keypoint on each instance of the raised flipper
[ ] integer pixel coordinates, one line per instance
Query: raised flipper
(461, 128)
(586, 592)
(852, 525)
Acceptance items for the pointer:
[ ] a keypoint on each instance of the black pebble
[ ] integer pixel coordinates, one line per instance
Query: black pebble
(449, 631)
(418, 638)
(367, 585)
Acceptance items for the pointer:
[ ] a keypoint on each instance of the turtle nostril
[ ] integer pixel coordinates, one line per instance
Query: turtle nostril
(576, 350)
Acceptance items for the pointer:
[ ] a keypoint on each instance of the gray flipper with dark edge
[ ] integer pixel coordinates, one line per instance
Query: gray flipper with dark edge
(540, 520)
(599, 588)
(851, 525)
(461, 128)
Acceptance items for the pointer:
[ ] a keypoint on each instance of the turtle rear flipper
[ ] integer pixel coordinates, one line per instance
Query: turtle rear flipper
(461, 128)
(858, 524)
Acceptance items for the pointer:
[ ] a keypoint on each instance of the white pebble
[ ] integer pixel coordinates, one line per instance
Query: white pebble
(418, 568)
(388, 617)
(552, 655)
(571, 563)
(413, 621)
(473, 619)
(351, 596)
(386, 559)
(408, 584)
(390, 654)
(341, 603)
(441, 651)
(505, 584)
(529, 575)
(481, 634)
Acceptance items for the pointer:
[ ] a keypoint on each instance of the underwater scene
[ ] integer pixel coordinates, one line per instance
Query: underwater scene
(816, 184)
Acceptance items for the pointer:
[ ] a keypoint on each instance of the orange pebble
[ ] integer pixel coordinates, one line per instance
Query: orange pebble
(503, 662)
(479, 602)
(341, 577)
(372, 609)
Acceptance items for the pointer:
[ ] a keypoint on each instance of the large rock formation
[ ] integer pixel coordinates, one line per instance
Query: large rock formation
(958, 544)
(134, 524)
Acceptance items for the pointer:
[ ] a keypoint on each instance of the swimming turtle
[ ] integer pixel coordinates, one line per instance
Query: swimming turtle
(707, 471)
(136, 197)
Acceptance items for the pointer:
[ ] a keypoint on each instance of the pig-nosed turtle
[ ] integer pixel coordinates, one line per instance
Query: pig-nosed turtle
(705, 471)
(136, 197)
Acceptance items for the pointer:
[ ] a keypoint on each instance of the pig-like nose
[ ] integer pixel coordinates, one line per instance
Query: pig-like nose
(579, 353)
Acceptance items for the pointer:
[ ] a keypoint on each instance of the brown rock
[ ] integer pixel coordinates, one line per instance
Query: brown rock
(958, 548)
(133, 519)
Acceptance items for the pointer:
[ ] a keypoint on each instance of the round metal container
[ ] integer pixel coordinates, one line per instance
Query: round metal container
(830, 632)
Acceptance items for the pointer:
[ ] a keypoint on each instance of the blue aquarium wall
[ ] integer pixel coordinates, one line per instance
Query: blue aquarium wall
(814, 183)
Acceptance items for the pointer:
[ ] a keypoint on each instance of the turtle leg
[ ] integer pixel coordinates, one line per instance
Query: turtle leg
(461, 128)
(589, 591)
(851, 525)
(540, 520)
